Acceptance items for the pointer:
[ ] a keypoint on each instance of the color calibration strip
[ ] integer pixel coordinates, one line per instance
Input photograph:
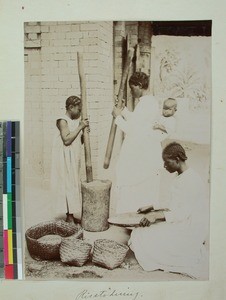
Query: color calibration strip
(10, 216)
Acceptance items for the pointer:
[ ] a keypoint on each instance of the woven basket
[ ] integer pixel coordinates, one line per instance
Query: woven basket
(108, 253)
(46, 251)
(74, 252)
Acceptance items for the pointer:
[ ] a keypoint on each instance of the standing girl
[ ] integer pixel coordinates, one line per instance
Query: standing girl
(65, 179)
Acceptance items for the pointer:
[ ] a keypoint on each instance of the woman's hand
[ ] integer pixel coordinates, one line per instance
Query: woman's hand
(145, 209)
(156, 126)
(116, 112)
(147, 221)
(123, 102)
(84, 123)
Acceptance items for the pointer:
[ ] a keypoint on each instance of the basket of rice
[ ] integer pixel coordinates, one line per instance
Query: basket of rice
(108, 253)
(74, 252)
(44, 239)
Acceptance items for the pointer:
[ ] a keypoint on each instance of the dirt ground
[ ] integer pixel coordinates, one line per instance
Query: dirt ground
(38, 209)
(128, 271)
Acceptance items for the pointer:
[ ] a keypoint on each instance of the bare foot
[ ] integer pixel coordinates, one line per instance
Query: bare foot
(69, 218)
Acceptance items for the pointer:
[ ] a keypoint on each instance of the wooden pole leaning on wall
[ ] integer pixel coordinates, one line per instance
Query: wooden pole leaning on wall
(88, 162)
(119, 104)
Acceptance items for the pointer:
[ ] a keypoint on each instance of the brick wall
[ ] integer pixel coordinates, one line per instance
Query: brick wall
(33, 103)
(51, 75)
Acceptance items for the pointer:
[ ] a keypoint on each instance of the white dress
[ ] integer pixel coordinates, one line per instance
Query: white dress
(137, 170)
(65, 181)
(176, 245)
(170, 125)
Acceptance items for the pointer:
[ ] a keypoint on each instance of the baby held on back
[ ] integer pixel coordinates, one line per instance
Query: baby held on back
(166, 125)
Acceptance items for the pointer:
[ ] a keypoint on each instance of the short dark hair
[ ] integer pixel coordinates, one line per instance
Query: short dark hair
(174, 150)
(72, 100)
(139, 78)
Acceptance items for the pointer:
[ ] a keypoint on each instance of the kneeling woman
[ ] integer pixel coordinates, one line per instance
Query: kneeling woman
(176, 243)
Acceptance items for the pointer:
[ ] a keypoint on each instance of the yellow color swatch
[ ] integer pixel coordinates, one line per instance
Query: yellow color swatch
(10, 246)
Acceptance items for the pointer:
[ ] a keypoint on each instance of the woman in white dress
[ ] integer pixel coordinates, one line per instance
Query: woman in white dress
(137, 170)
(176, 243)
(65, 181)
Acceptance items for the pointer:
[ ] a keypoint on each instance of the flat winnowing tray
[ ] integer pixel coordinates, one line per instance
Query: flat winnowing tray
(129, 219)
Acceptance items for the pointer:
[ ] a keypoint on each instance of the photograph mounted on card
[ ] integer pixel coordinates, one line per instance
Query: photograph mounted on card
(117, 150)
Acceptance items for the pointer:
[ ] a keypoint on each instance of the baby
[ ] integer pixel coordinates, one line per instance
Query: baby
(167, 123)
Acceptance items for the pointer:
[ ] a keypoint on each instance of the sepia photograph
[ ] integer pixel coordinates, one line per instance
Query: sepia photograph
(117, 135)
